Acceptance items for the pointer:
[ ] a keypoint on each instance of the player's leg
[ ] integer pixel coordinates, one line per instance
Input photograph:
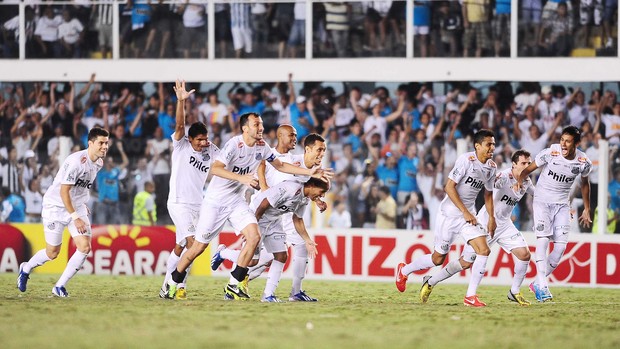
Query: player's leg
(184, 218)
(264, 261)
(522, 260)
(560, 238)
(243, 220)
(543, 219)
(444, 236)
(476, 236)
(82, 244)
(53, 240)
(274, 243)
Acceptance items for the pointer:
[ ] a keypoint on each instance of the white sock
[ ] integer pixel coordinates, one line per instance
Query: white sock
(183, 284)
(171, 265)
(450, 269)
(73, 266)
(541, 261)
(520, 270)
(38, 259)
(263, 262)
(477, 272)
(230, 255)
(420, 263)
(554, 257)
(299, 263)
(273, 277)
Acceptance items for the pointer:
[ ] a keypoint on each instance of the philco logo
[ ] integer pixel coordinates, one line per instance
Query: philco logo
(198, 164)
(474, 183)
(510, 201)
(560, 177)
(241, 171)
(83, 183)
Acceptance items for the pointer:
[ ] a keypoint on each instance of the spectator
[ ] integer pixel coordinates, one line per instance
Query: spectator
(612, 218)
(13, 207)
(158, 151)
(194, 29)
(34, 201)
(413, 211)
(556, 32)
(139, 176)
(241, 28)
(144, 207)
(388, 173)
(297, 36)
(476, 22)
(46, 34)
(501, 27)
(422, 25)
(109, 178)
(71, 34)
(103, 17)
(407, 174)
(531, 13)
(340, 217)
(260, 26)
(337, 25)
(385, 210)
(10, 172)
(212, 111)
(284, 18)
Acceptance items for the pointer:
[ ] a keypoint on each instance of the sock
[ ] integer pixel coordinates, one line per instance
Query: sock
(176, 277)
(299, 263)
(554, 257)
(184, 282)
(171, 265)
(73, 266)
(520, 270)
(477, 272)
(237, 275)
(230, 255)
(541, 261)
(449, 270)
(264, 260)
(273, 278)
(420, 263)
(38, 259)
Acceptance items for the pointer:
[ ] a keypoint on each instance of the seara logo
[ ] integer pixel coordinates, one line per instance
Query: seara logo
(128, 250)
(575, 264)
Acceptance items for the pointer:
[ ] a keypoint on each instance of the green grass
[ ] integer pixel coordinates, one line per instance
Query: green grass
(125, 312)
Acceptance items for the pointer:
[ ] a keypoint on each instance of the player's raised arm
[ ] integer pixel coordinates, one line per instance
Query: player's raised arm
(182, 95)
(523, 176)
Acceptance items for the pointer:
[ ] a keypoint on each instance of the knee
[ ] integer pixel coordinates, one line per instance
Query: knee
(465, 264)
(253, 263)
(525, 256)
(280, 257)
(52, 253)
(84, 249)
(437, 258)
(178, 249)
(252, 238)
(484, 251)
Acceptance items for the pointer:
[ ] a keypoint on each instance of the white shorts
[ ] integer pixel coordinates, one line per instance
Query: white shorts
(292, 237)
(55, 219)
(184, 217)
(213, 217)
(447, 228)
(273, 239)
(420, 30)
(551, 220)
(242, 38)
(506, 234)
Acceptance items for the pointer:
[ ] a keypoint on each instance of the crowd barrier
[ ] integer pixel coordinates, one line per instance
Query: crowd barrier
(344, 254)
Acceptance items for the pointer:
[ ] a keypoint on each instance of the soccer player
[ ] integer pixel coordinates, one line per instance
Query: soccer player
(506, 234)
(191, 159)
(560, 164)
(472, 172)
(270, 206)
(64, 205)
(314, 150)
(224, 200)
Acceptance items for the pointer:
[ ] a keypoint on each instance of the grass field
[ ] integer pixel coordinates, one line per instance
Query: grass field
(125, 312)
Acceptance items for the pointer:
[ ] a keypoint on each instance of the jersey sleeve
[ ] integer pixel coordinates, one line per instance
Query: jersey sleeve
(500, 180)
(491, 181)
(180, 144)
(277, 195)
(268, 153)
(543, 157)
(301, 210)
(459, 170)
(228, 152)
(72, 173)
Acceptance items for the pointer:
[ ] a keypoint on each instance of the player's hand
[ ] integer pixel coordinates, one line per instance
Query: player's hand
(584, 219)
(250, 181)
(311, 248)
(491, 226)
(470, 218)
(517, 187)
(81, 226)
(179, 89)
(322, 205)
(324, 174)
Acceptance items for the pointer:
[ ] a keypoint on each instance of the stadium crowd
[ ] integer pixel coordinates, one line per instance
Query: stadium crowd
(390, 150)
(148, 29)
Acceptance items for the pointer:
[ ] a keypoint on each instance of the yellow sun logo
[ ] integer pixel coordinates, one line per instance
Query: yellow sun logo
(133, 234)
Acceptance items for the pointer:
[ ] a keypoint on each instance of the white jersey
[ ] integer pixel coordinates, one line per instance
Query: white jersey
(470, 175)
(558, 174)
(504, 196)
(284, 197)
(273, 176)
(80, 172)
(189, 171)
(241, 159)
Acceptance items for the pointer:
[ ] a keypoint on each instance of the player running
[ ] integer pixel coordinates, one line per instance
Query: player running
(472, 172)
(505, 198)
(314, 150)
(191, 159)
(224, 201)
(64, 205)
(560, 164)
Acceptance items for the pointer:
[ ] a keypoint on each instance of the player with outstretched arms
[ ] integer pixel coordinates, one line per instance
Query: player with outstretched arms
(560, 164)
(224, 200)
(191, 159)
(314, 150)
(472, 172)
(64, 205)
(505, 198)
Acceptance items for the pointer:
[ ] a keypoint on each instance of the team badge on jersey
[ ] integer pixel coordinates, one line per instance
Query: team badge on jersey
(240, 145)
(555, 153)
(574, 170)
(581, 159)
(206, 156)
(259, 156)
(83, 160)
(472, 158)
